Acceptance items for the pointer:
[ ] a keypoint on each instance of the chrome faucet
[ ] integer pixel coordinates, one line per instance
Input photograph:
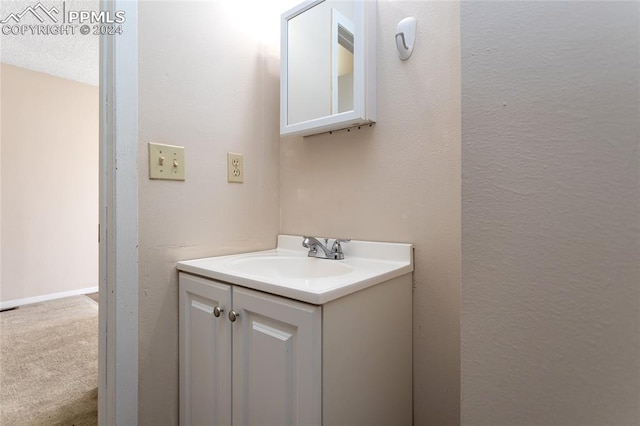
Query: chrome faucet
(313, 244)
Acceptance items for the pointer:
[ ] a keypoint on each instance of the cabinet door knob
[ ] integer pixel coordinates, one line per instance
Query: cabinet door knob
(217, 311)
(233, 316)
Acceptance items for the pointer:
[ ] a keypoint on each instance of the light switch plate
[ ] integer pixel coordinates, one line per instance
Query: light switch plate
(166, 162)
(235, 168)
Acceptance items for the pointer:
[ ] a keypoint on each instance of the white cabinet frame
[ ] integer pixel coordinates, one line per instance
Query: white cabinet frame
(262, 368)
(347, 362)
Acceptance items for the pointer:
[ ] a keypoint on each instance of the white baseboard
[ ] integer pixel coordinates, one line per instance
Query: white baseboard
(20, 302)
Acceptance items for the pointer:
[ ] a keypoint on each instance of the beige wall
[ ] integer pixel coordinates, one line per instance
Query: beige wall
(399, 181)
(206, 82)
(550, 195)
(551, 213)
(49, 184)
(0, 181)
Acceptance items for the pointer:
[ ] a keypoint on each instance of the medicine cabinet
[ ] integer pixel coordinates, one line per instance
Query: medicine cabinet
(328, 66)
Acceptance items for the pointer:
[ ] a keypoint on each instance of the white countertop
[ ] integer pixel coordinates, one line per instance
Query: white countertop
(365, 264)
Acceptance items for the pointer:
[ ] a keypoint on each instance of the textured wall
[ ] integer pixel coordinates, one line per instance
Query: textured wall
(551, 213)
(399, 181)
(206, 82)
(49, 184)
(72, 57)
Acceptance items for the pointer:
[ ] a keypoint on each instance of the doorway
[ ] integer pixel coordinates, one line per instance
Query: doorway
(49, 189)
(117, 283)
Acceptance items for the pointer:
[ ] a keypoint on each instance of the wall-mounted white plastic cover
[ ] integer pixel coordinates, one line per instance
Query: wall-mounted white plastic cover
(406, 37)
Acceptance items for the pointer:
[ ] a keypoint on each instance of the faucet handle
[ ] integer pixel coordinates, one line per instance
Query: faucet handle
(306, 241)
(336, 248)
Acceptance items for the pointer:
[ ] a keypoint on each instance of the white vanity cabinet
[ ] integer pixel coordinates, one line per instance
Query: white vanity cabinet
(247, 357)
(285, 362)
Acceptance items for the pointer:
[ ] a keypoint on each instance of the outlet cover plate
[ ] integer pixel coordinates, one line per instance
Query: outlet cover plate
(166, 161)
(235, 168)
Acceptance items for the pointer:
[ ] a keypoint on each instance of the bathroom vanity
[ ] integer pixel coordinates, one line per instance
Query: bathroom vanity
(277, 337)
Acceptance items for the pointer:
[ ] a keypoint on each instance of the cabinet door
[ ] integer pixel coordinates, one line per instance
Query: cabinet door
(276, 361)
(205, 352)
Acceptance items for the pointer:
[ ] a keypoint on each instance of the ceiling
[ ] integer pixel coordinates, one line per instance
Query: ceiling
(75, 57)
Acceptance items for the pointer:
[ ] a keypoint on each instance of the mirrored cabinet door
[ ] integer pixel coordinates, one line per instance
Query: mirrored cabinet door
(327, 66)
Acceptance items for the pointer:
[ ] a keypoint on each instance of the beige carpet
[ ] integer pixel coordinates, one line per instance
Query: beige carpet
(93, 296)
(49, 363)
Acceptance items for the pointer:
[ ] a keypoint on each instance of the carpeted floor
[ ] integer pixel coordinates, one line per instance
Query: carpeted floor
(49, 363)
(93, 296)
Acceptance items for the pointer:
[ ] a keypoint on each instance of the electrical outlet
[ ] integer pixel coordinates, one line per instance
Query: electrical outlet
(235, 168)
(166, 162)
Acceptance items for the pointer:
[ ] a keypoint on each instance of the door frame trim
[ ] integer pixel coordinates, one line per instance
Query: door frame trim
(118, 259)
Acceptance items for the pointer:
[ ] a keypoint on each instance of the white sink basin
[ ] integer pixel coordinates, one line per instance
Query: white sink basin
(287, 271)
(289, 267)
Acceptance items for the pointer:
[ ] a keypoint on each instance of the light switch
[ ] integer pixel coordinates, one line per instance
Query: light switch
(166, 162)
